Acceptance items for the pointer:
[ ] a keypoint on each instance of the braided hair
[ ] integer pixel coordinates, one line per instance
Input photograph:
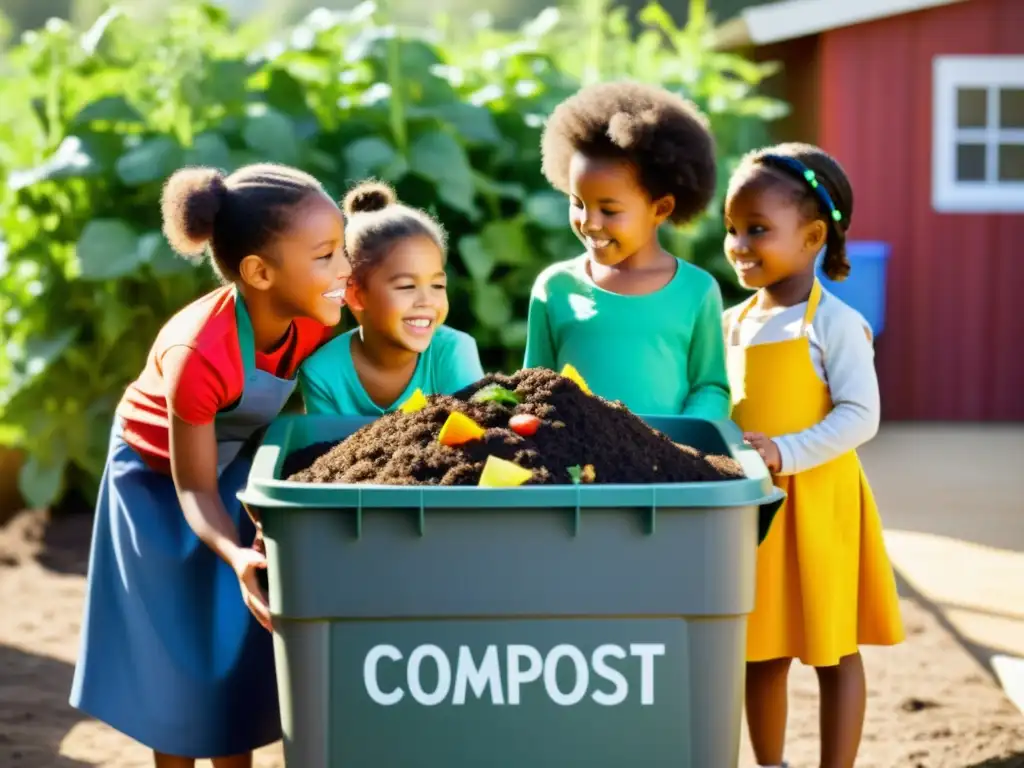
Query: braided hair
(232, 216)
(818, 184)
(376, 221)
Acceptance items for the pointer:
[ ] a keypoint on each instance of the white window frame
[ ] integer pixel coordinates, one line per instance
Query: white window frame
(991, 73)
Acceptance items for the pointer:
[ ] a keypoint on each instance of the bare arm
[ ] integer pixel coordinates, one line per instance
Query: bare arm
(194, 469)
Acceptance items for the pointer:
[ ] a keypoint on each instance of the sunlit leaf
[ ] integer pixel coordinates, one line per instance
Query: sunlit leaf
(506, 241)
(507, 189)
(474, 124)
(491, 305)
(476, 258)
(37, 357)
(369, 156)
(273, 135)
(153, 160)
(439, 158)
(209, 149)
(41, 482)
(108, 248)
(112, 109)
(156, 253)
(549, 210)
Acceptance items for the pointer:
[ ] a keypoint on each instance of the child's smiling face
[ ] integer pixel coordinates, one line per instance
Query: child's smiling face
(404, 298)
(611, 212)
(312, 271)
(768, 237)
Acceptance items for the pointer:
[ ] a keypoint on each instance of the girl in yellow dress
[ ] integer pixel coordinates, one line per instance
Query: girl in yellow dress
(805, 393)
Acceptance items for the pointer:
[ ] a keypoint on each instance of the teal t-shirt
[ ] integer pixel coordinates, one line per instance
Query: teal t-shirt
(329, 382)
(662, 353)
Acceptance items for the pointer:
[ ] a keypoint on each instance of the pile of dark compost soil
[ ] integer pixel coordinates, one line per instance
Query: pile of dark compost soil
(576, 429)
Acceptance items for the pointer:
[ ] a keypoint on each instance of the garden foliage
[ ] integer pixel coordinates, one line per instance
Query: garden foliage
(94, 122)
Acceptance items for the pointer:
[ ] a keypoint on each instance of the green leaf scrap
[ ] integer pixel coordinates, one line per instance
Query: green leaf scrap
(495, 393)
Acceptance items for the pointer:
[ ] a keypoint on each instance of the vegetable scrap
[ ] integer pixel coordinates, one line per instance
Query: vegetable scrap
(525, 424)
(580, 474)
(416, 402)
(459, 429)
(573, 375)
(499, 473)
(494, 393)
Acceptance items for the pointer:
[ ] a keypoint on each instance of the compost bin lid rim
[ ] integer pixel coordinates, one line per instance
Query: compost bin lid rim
(724, 494)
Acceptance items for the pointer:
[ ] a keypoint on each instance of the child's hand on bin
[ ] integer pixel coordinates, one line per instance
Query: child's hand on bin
(767, 448)
(248, 563)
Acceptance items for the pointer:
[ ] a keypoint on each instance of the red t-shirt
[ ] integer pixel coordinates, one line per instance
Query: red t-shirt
(195, 370)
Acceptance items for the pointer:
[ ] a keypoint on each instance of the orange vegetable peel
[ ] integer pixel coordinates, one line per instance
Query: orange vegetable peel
(459, 429)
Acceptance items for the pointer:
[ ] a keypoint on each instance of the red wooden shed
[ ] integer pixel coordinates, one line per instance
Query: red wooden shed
(922, 101)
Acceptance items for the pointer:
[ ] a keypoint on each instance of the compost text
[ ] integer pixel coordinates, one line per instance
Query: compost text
(524, 664)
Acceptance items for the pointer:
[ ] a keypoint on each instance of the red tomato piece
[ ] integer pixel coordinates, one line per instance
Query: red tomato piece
(524, 424)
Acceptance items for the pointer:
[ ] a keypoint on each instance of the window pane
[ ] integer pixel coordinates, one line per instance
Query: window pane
(970, 162)
(1011, 162)
(971, 107)
(1011, 108)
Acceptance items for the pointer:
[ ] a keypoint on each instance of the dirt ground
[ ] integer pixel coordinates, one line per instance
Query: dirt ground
(931, 704)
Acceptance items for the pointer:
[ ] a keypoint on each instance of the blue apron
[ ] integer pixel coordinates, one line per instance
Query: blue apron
(169, 654)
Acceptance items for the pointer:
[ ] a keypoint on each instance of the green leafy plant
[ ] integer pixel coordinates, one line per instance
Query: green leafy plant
(94, 123)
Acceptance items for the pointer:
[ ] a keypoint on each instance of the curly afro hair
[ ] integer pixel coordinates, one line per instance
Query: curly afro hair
(663, 135)
(768, 167)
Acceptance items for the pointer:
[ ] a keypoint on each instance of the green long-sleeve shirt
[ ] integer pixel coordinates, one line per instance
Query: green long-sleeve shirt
(662, 353)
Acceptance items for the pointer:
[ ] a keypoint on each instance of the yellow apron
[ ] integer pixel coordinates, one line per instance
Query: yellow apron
(824, 581)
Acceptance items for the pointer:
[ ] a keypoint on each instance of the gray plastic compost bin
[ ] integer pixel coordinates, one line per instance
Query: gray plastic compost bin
(530, 627)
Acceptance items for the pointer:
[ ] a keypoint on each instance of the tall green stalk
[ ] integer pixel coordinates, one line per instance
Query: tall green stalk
(394, 69)
(593, 12)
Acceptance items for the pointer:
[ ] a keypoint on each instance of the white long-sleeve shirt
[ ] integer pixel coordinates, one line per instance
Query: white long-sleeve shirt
(843, 357)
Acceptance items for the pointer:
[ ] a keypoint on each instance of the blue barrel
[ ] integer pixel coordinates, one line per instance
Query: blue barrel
(864, 289)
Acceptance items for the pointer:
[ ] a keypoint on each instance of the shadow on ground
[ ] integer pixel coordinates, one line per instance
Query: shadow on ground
(1013, 761)
(981, 653)
(57, 540)
(65, 543)
(34, 713)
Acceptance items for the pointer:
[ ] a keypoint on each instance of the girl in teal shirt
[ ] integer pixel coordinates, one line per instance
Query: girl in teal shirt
(640, 325)
(398, 294)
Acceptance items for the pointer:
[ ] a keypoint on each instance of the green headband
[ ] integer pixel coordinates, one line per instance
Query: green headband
(794, 165)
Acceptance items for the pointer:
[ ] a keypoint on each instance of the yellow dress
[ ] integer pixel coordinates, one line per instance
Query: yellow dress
(824, 581)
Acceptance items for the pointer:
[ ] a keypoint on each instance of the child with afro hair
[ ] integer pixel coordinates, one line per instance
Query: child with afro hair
(640, 325)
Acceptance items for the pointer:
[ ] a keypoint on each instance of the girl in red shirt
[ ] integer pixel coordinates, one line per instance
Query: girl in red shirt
(169, 654)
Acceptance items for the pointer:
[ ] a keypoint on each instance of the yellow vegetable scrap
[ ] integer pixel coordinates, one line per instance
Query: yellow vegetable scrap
(499, 473)
(416, 402)
(573, 375)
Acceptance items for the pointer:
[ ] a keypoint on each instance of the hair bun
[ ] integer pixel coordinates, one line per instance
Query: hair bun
(369, 196)
(191, 199)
